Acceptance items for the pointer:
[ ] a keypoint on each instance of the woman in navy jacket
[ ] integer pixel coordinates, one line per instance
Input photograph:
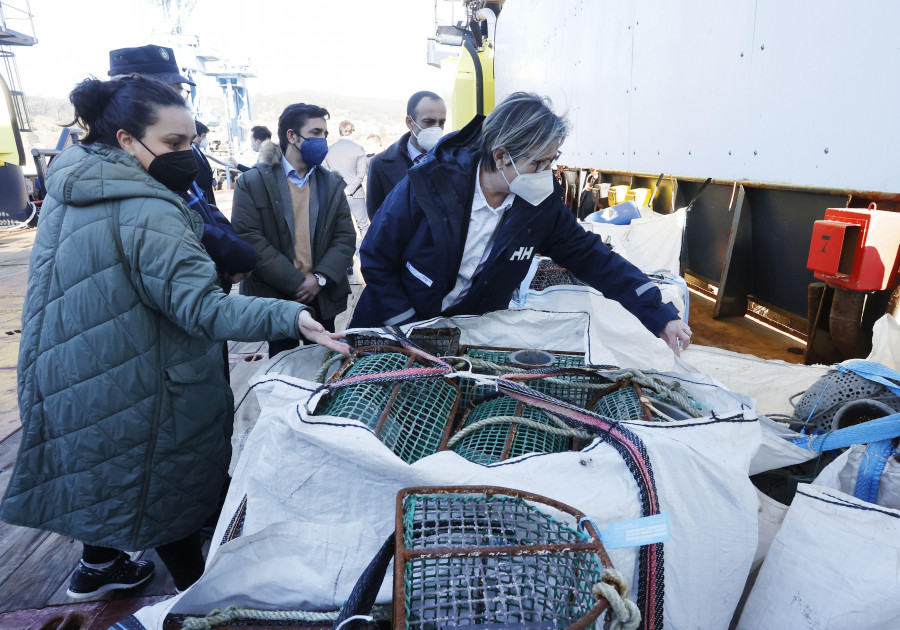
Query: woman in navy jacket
(457, 235)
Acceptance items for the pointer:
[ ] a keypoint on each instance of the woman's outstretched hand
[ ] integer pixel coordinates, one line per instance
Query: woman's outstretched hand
(314, 331)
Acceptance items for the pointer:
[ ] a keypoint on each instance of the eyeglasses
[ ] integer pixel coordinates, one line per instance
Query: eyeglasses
(542, 165)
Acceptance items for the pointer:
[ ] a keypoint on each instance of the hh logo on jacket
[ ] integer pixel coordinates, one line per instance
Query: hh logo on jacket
(523, 253)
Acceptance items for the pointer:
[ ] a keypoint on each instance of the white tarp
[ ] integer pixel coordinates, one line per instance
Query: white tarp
(770, 382)
(567, 297)
(886, 342)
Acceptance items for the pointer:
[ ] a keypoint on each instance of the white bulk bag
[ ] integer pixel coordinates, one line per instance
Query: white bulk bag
(835, 562)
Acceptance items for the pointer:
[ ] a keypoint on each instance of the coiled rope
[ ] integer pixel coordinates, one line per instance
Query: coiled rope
(564, 430)
(674, 393)
(331, 357)
(237, 612)
(223, 616)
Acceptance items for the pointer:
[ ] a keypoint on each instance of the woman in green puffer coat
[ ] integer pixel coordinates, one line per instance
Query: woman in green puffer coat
(122, 390)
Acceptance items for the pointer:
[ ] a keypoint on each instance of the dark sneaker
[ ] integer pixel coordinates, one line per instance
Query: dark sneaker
(122, 573)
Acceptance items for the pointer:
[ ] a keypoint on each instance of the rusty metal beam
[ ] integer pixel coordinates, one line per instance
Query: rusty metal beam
(734, 284)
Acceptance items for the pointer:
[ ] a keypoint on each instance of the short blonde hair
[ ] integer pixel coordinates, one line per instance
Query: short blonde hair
(524, 124)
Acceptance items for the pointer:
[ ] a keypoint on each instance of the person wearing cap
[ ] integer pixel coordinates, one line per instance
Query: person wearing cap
(155, 62)
(426, 115)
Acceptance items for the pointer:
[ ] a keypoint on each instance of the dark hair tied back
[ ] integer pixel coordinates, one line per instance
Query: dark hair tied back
(129, 102)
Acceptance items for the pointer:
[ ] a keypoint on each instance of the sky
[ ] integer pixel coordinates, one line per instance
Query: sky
(354, 47)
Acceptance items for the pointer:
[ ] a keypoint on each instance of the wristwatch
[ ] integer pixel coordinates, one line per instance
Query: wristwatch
(321, 279)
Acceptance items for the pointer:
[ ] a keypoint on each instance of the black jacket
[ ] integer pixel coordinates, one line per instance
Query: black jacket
(385, 171)
(262, 215)
(204, 179)
(412, 252)
(228, 251)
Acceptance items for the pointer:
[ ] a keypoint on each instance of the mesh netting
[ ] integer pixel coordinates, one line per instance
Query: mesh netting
(418, 417)
(470, 392)
(621, 404)
(825, 397)
(550, 274)
(530, 590)
(414, 420)
(491, 443)
(366, 401)
(437, 341)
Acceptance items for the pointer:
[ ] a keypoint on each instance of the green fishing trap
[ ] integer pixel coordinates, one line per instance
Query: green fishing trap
(411, 417)
(504, 428)
(487, 557)
(495, 361)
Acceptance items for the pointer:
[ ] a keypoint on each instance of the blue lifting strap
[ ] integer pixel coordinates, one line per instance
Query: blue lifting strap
(871, 468)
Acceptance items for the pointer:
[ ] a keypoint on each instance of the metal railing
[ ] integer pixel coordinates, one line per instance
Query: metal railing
(16, 29)
(16, 18)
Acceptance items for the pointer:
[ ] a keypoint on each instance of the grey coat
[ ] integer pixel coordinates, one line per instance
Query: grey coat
(262, 214)
(349, 160)
(122, 392)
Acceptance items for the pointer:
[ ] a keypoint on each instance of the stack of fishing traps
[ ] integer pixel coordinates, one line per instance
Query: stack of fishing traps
(399, 391)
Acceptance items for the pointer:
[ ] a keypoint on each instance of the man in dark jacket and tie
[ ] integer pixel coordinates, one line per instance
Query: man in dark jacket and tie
(205, 178)
(426, 115)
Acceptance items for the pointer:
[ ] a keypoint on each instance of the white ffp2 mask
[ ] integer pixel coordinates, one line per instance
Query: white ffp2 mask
(429, 137)
(532, 187)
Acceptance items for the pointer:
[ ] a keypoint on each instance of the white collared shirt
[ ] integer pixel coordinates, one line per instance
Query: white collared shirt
(293, 176)
(482, 230)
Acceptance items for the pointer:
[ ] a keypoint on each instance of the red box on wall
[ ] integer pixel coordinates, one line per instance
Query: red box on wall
(857, 249)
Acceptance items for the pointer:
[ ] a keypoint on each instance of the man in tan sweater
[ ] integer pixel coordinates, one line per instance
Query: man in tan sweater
(294, 213)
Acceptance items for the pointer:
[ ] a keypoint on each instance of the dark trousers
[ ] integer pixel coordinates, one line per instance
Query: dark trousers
(183, 558)
(280, 345)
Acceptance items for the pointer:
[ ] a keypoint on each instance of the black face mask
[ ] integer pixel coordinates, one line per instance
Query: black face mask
(175, 170)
